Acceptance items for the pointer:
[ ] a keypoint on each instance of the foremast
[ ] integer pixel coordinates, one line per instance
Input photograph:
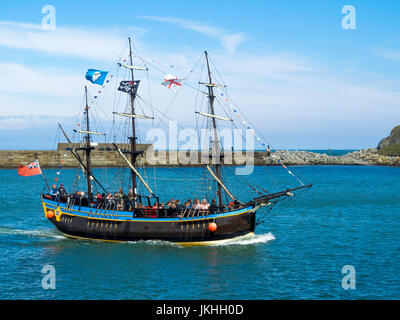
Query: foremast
(216, 147)
(88, 149)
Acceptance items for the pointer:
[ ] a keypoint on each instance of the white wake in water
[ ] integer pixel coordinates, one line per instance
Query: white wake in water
(248, 240)
(53, 234)
(31, 233)
(254, 239)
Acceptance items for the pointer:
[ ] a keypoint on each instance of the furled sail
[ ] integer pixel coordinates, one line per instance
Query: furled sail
(90, 132)
(132, 115)
(210, 84)
(213, 116)
(131, 67)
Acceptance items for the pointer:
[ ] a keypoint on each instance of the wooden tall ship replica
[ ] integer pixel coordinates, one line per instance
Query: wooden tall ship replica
(83, 216)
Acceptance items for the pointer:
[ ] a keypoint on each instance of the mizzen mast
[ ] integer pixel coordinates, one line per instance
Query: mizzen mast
(133, 137)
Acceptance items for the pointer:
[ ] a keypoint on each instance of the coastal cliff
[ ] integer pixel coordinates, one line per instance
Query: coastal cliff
(390, 146)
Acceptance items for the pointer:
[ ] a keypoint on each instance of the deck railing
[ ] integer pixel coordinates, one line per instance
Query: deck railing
(109, 209)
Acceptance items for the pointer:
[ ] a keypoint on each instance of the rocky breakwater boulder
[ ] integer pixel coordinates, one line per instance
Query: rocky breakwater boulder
(374, 157)
(298, 158)
(311, 158)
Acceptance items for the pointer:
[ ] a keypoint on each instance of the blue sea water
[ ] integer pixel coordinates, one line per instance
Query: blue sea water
(351, 216)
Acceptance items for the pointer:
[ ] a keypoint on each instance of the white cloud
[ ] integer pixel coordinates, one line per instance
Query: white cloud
(47, 81)
(64, 41)
(288, 97)
(388, 54)
(229, 40)
(278, 92)
(28, 121)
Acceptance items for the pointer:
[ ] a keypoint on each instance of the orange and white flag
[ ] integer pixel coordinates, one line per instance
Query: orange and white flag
(31, 169)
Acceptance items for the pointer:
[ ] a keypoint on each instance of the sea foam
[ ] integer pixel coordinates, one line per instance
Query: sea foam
(44, 233)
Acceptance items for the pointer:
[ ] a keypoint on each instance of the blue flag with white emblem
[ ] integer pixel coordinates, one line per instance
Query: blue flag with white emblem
(96, 76)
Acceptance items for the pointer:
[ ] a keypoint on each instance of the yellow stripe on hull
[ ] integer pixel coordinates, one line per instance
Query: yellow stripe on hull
(184, 244)
(83, 238)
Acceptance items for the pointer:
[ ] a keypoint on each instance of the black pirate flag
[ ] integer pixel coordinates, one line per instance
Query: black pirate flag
(126, 86)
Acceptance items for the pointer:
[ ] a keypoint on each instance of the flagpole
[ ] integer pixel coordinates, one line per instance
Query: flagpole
(45, 180)
(48, 187)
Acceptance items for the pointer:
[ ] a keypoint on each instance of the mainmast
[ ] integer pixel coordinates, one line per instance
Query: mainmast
(133, 138)
(216, 141)
(88, 148)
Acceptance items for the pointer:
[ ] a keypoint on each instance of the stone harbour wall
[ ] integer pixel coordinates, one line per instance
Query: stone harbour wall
(103, 157)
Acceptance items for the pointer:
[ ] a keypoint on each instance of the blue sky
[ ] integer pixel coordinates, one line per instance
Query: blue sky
(302, 80)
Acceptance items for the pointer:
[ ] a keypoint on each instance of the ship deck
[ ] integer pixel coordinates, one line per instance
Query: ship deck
(146, 214)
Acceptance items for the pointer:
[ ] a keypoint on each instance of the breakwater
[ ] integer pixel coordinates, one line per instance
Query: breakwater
(103, 155)
(360, 157)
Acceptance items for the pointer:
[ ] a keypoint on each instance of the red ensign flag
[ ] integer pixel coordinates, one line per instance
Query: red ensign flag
(31, 169)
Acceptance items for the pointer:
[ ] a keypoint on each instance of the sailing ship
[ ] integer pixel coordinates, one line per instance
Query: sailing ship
(84, 217)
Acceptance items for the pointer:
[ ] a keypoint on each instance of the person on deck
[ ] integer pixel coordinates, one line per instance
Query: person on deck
(84, 200)
(62, 192)
(196, 204)
(121, 198)
(54, 192)
(213, 205)
(205, 205)
(97, 199)
(188, 205)
(172, 210)
(167, 208)
(76, 197)
(116, 201)
(109, 201)
(131, 200)
(162, 210)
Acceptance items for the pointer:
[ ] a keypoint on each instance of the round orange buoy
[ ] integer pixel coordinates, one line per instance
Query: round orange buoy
(212, 226)
(50, 214)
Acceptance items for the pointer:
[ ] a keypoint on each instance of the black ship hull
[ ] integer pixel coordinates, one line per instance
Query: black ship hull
(122, 226)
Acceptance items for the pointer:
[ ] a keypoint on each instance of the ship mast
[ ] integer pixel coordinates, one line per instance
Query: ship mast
(88, 148)
(133, 138)
(216, 141)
